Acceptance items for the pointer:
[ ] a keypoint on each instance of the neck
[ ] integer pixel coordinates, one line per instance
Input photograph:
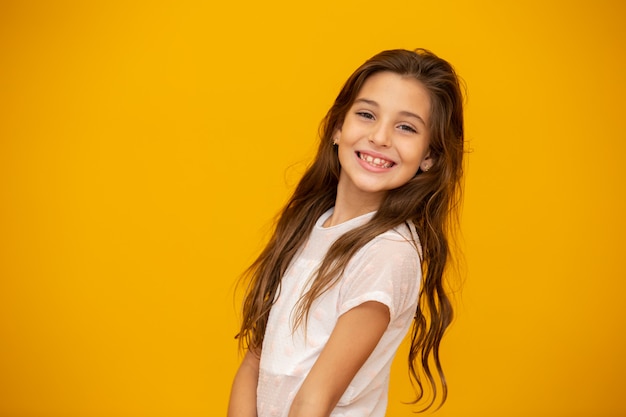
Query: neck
(350, 204)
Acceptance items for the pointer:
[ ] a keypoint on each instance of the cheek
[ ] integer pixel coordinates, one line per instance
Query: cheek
(413, 159)
(344, 154)
(412, 154)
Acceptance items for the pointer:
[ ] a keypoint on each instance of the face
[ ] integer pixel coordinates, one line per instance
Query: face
(384, 138)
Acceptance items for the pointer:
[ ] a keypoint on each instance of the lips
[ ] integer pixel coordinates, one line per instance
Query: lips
(375, 161)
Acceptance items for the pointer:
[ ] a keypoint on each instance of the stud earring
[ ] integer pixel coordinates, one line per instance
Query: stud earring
(335, 141)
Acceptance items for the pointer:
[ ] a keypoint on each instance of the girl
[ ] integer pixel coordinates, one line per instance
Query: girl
(364, 236)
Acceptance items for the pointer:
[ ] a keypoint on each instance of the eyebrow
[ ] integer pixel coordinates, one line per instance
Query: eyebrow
(403, 112)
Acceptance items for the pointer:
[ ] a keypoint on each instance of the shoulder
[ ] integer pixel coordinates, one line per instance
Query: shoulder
(387, 269)
(400, 242)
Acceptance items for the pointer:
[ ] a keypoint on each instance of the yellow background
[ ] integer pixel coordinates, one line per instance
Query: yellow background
(145, 146)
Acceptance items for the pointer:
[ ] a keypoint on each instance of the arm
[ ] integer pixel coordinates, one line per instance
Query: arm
(350, 344)
(243, 393)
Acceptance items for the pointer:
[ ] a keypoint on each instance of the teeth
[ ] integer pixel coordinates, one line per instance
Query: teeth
(377, 162)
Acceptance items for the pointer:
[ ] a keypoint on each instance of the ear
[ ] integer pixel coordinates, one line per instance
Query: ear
(427, 162)
(336, 135)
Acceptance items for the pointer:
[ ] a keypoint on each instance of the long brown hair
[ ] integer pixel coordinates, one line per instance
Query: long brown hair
(429, 201)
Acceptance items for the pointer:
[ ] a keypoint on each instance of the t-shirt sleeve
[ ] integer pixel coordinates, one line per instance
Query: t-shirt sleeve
(387, 270)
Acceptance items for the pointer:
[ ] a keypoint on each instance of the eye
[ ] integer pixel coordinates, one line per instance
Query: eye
(365, 115)
(408, 128)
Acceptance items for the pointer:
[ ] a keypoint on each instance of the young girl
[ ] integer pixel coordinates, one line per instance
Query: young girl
(364, 236)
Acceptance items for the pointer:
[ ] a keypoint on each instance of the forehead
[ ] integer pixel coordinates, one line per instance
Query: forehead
(396, 92)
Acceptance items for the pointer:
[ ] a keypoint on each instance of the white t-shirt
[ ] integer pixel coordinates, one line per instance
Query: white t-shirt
(386, 270)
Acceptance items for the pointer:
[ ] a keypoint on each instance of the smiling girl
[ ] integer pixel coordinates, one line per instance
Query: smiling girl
(359, 251)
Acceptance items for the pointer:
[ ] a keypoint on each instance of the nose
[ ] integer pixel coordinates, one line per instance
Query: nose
(380, 136)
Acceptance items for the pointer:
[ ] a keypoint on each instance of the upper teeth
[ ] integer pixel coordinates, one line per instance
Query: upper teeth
(379, 162)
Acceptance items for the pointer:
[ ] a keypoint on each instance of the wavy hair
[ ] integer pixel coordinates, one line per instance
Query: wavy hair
(429, 201)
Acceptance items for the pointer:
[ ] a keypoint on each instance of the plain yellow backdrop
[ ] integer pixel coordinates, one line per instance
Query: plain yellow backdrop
(146, 146)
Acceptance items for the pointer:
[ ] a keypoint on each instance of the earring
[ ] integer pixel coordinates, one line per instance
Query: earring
(335, 140)
(426, 167)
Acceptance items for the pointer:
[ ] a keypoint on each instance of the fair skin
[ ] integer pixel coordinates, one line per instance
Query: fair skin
(346, 351)
(382, 143)
(243, 392)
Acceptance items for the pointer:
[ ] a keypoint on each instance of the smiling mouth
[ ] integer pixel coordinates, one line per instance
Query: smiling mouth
(375, 162)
